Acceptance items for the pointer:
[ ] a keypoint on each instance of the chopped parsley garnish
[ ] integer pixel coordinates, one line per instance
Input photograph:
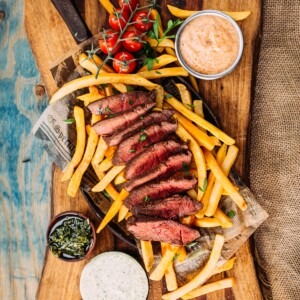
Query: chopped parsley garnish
(175, 256)
(168, 96)
(130, 101)
(69, 121)
(129, 88)
(203, 189)
(132, 150)
(190, 105)
(111, 116)
(157, 72)
(146, 199)
(190, 245)
(143, 137)
(231, 214)
(141, 117)
(107, 109)
(186, 168)
(142, 129)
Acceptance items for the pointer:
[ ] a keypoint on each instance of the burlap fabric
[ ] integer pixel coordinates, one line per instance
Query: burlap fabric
(275, 150)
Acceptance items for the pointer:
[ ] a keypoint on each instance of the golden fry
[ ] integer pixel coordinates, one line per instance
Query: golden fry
(108, 6)
(105, 165)
(202, 276)
(155, 15)
(209, 288)
(200, 121)
(192, 192)
(207, 222)
(165, 43)
(225, 182)
(120, 178)
(170, 275)
(163, 60)
(113, 210)
(85, 162)
(80, 143)
(198, 108)
(162, 73)
(188, 220)
(109, 177)
(185, 95)
(88, 129)
(147, 254)
(110, 151)
(89, 98)
(181, 254)
(194, 83)
(122, 213)
(223, 219)
(228, 265)
(160, 95)
(100, 152)
(217, 190)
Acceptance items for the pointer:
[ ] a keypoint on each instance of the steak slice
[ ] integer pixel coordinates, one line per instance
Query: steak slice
(139, 141)
(159, 190)
(165, 169)
(122, 134)
(151, 157)
(169, 208)
(121, 102)
(108, 126)
(159, 230)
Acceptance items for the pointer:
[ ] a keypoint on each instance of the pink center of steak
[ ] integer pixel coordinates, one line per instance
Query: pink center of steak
(122, 134)
(159, 190)
(168, 231)
(151, 157)
(172, 165)
(139, 141)
(121, 102)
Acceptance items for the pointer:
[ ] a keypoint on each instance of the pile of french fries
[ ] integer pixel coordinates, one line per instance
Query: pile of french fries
(213, 151)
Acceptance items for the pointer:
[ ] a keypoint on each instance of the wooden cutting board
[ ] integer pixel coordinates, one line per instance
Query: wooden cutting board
(230, 99)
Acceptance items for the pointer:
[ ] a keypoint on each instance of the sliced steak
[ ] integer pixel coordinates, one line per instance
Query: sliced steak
(151, 157)
(121, 102)
(122, 134)
(167, 168)
(169, 208)
(139, 141)
(159, 190)
(108, 126)
(159, 230)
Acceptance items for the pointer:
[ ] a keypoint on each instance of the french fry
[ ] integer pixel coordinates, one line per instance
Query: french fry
(200, 121)
(80, 143)
(170, 275)
(228, 265)
(108, 90)
(198, 156)
(188, 220)
(93, 90)
(88, 129)
(110, 151)
(112, 192)
(89, 98)
(198, 108)
(201, 137)
(162, 73)
(122, 213)
(194, 83)
(108, 6)
(120, 178)
(224, 181)
(210, 182)
(181, 254)
(165, 43)
(209, 288)
(85, 162)
(155, 15)
(223, 219)
(100, 152)
(163, 60)
(202, 276)
(224, 193)
(129, 214)
(183, 14)
(147, 254)
(85, 81)
(207, 222)
(113, 210)
(185, 95)
(108, 178)
(217, 190)
(160, 95)
(164, 263)
(105, 165)
(192, 192)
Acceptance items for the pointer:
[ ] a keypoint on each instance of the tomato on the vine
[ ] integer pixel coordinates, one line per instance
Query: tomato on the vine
(108, 40)
(118, 19)
(132, 41)
(124, 62)
(127, 3)
(142, 21)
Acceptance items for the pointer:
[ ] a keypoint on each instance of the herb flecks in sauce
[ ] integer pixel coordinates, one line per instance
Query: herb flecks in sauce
(70, 238)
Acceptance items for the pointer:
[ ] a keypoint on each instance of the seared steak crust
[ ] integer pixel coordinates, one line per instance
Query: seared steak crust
(151, 157)
(108, 126)
(167, 168)
(168, 231)
(121, 102)
(139, 141)
(122, 134)
(159, 190)
(173, 207)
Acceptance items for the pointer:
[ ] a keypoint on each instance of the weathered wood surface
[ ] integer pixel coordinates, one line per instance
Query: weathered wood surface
(229, 97)
(24, 166)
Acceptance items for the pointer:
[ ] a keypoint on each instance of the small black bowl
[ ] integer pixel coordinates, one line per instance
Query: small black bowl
(62, 216)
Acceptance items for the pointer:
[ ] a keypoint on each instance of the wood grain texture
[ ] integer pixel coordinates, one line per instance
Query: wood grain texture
(24, 165)
(229, 97)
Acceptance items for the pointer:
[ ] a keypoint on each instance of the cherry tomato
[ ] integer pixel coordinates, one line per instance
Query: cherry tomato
(124, 63)
(131, 42)
(118, 19)
(142, 24)
(127, 3)
(106, 45)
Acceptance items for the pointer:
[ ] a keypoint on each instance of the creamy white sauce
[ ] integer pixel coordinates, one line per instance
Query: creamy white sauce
(113, 276)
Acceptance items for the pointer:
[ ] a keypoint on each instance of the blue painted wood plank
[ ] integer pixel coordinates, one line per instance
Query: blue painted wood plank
(25, 169)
